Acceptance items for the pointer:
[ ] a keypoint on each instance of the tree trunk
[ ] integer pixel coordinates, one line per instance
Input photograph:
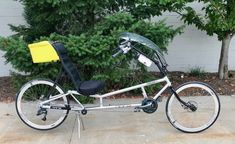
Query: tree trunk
(223, 62)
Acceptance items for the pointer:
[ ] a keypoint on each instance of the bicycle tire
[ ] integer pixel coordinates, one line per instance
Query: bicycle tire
(24, 100)
(184, 119)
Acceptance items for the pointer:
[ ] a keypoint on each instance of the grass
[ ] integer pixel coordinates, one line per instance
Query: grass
(197, 72)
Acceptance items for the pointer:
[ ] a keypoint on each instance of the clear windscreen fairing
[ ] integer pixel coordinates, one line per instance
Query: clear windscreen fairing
(155, 51)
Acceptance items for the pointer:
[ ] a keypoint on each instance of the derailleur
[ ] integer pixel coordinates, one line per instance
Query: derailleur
(44, 112)
(149, 105)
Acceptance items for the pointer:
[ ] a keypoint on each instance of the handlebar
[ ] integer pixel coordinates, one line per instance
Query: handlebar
(117, 53)
(124, 47)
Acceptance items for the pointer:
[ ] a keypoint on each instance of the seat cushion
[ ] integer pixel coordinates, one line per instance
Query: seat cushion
(90, 87)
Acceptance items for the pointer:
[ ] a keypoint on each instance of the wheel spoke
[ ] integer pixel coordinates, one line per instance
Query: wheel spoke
(27, 105)
(197, 94)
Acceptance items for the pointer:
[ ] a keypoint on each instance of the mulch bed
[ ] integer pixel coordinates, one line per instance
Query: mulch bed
(7, 91)
(222, 87)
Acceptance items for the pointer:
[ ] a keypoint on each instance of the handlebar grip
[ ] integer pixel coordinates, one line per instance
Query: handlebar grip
(116, 54)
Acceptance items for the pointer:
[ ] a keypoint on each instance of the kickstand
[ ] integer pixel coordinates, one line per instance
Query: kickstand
(80, 121)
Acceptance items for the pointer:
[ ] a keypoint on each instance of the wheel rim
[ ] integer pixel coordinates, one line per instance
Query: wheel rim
(207, 108)
(28, 105)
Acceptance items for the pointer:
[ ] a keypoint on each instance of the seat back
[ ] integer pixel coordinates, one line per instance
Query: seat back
(68, 66)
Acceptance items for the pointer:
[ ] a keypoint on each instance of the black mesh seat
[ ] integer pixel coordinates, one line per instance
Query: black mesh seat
(90, 87)
(83, 87)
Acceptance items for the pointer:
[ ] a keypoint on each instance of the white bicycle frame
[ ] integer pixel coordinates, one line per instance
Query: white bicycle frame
(101, 97)
(147, 105)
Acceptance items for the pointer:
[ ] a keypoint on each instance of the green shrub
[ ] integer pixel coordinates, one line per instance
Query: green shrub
(92, 51)
(75, 17)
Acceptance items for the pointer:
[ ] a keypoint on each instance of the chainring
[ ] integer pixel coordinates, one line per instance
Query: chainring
(152, 108)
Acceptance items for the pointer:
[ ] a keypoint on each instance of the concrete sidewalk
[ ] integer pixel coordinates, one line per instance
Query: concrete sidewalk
(104, 127)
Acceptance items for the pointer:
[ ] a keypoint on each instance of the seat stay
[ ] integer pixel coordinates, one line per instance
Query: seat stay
(52, 98)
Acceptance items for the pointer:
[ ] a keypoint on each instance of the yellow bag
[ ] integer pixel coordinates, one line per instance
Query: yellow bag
(43, 52)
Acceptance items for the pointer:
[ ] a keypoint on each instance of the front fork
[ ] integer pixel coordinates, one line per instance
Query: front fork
(184, 104)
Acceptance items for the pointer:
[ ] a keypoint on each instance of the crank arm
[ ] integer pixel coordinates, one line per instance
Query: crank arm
(144, 106)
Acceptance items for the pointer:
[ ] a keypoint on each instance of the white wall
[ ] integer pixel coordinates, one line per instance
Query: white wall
(10, 13)
(194, 48)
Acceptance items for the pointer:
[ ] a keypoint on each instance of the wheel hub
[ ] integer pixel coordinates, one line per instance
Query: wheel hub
(192, 106)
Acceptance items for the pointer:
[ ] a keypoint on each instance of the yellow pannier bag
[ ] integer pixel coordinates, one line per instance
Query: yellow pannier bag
(43, 52)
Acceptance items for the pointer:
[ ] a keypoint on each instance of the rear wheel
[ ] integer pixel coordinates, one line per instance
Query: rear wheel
(203, 111)
(31, 95)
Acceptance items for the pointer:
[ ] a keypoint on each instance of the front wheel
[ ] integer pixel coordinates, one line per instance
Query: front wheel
(28, 109)
(203, 113)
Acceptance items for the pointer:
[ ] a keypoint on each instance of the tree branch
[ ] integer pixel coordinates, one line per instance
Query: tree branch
(217, 9)
(178, 12)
